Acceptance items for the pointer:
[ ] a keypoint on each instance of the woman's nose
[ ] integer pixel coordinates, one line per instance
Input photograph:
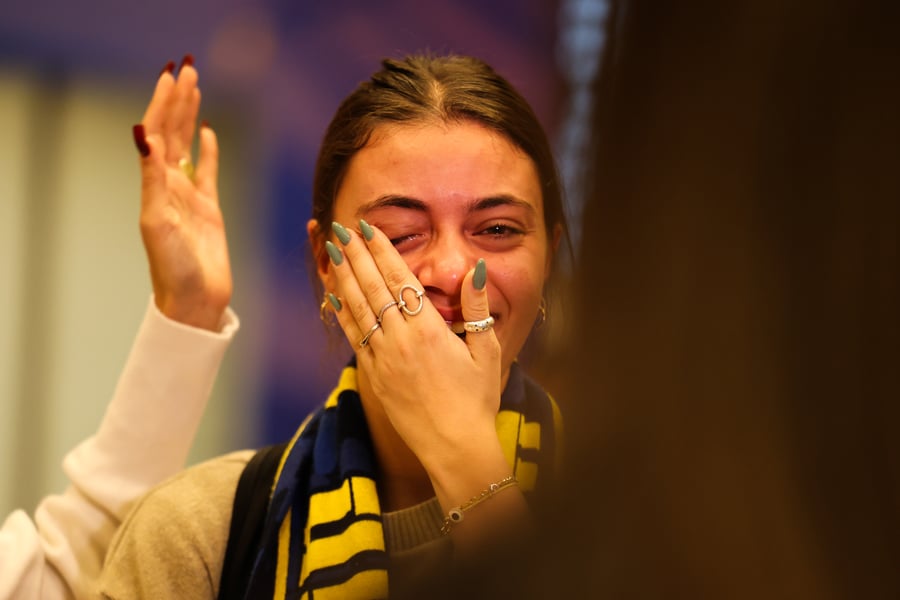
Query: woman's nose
(443, 265)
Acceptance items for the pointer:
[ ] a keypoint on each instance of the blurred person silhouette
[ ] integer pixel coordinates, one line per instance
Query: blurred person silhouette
(737, 313)
(739, 289)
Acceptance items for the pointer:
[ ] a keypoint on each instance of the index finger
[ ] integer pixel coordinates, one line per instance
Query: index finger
(393, 269)
(375, 290)
(153, 116)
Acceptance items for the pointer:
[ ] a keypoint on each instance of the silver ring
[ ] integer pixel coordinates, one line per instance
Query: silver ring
(365, 341)
(401, 303)
(384, 308)
(479, 326)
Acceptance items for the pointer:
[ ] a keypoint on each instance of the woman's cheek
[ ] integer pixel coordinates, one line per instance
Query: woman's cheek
(412, 261)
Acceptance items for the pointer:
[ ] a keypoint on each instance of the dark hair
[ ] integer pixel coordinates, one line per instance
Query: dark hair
(426, 88)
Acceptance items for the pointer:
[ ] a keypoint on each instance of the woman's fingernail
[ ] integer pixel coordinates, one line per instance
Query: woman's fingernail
(367, 231)
(140, 140)
(204, 123)
(334, 253)
(169, 68)
(187, 61)
(341, 232)
(334, 301)
(480, 277)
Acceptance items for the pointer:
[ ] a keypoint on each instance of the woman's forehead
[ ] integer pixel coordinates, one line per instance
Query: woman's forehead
(439, 162)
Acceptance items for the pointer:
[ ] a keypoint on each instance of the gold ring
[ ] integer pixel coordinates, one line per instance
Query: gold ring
(187, 167)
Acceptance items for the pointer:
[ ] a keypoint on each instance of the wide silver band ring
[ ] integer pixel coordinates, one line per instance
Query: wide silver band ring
(479, 326)
(384, 308)
(402, 303)
(365, 341)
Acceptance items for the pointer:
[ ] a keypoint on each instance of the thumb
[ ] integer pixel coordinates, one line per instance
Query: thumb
(208, 164)
(480, 337)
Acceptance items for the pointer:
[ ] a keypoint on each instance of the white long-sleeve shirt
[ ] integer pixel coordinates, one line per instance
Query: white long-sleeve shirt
(144, 437)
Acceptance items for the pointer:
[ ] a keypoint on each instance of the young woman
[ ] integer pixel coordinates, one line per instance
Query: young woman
(437, 215)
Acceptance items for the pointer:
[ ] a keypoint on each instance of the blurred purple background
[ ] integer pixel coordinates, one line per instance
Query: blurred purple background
(282, 68)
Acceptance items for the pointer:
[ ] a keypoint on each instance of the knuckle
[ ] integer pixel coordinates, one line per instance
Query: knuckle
(360, 310)
(373, 288)
(405, 351)
(159, 222)
(493, 349)
(395, 278)
(430, 337)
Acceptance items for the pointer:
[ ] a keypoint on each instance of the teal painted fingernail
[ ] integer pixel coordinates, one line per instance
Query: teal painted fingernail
(480, 277)
(337, 257)
(341, 232)
(334, 301)
(366, 229)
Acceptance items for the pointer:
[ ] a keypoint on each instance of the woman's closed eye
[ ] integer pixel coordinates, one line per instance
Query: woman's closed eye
(405, 241)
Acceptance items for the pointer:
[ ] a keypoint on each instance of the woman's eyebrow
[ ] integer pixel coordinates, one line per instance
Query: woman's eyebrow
(396, 201)
(391, 201)
(502, 200)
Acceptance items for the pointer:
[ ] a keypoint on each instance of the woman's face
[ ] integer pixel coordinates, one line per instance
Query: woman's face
(447, 195)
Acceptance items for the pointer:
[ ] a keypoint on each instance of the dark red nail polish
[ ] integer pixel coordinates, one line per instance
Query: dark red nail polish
(169, 68)
(204, 123)
(140, 140)
(188, 60)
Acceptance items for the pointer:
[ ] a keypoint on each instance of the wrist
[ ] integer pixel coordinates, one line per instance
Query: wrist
(457, 514)
(202, 315)
(484, 509)
(466, 471)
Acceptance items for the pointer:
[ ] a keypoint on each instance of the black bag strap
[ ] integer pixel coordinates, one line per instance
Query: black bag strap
(251, 501)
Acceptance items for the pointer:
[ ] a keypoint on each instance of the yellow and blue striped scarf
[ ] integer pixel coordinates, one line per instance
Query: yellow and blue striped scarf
(322, 536)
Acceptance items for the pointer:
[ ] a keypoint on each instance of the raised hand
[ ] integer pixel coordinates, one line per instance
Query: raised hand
(181, 222)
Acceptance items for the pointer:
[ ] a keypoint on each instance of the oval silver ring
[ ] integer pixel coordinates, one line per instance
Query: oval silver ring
(402, 303)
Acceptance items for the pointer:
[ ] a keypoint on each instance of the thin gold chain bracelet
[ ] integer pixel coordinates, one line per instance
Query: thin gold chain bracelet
(456, 514)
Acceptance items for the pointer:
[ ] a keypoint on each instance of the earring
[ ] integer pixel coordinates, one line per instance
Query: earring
(543, 310)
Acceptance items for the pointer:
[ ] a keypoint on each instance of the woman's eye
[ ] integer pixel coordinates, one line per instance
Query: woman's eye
(403, 239)
(500, 230)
